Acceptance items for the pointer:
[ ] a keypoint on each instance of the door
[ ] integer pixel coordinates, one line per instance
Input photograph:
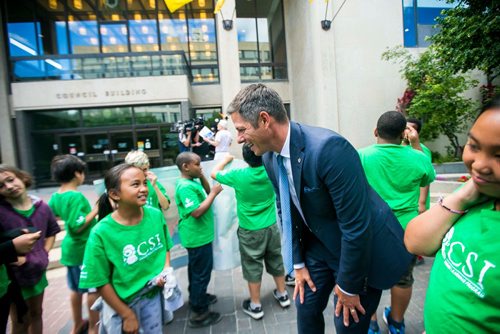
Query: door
(148, 141)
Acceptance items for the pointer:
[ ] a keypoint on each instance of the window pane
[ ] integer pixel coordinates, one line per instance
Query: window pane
(261, 40)
(44, 120)
(83, 34)
(157, 114)
(107, 116)
(114, 37)
(143, 35)
(173, 31)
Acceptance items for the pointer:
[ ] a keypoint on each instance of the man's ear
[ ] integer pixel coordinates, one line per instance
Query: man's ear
(264, 118)
(375, 132)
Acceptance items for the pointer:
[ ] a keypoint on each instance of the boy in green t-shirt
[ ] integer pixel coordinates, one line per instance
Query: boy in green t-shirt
(74, 209)
(196, 231)
(397, 172)
(258, 233)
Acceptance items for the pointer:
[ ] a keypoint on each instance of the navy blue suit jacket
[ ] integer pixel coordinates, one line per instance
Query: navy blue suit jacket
(356, 227)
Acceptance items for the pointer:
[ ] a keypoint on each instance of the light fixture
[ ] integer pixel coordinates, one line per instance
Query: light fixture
(227, 24)
(201, 3)
(53, 4)
(78, 4)
(327, 24)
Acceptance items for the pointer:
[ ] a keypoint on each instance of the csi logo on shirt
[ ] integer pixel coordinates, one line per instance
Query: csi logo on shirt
(132, 254)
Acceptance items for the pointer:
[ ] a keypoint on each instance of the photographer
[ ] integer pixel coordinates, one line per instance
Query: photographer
(184, 139)
(198, 145)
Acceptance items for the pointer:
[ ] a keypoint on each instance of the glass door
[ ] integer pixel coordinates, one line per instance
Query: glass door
(120, 144)
(148, 141)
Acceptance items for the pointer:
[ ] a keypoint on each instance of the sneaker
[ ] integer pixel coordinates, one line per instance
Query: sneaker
(289, 280)
(203, 320)
(255, 313)
(373, 329)
(212, 299)
(283, 300)
(391, 323)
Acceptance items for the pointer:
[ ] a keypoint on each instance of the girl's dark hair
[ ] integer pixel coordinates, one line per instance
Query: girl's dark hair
(112, 181)
(104, 206)
(112, 178)
(20, 174)
(64, 167)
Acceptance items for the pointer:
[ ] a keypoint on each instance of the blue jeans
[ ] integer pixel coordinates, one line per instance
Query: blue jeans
(310, 314)
(200, 263)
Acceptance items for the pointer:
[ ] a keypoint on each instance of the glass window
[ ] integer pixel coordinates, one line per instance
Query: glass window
(202, 43)
(107, 116)
(83, 34)
(114, 37)
(169, 113)
(44, 120)
(419, 20)
(143, 35)
(261, 40)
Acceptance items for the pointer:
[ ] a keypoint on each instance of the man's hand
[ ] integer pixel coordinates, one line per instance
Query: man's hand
(25, 242)
(347, 305)
(302, 277)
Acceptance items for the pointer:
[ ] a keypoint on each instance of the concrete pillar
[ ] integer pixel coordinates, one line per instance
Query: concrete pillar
(229, 71)
(311, 63)
(7, 146)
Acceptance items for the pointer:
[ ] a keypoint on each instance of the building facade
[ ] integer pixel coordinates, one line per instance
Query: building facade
(97, 78)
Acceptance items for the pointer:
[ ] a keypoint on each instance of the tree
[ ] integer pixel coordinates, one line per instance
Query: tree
(434, 95)
(469, 38)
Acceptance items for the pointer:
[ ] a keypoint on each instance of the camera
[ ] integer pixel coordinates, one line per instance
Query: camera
(192, 125)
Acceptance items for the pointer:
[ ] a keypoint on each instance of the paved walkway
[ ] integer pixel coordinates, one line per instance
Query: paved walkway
(231, 290)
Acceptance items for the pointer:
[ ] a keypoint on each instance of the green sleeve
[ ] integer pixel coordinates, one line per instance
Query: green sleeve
(430, 173)
(189, 200)
(76, 212)
(96, 270)
(227, 177)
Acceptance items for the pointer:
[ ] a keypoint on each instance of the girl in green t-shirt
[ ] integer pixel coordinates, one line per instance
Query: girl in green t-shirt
(462, 231)
(134, 232)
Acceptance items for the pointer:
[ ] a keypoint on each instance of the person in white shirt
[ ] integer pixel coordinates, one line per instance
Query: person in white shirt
(222, 140)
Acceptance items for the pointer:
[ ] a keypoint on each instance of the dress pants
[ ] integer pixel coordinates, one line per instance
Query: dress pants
(310, 318)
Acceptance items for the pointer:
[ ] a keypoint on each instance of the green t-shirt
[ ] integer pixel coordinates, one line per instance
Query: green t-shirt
(428, 154)
(194, 232)
(72, 207)
(255, 196)
(4, 280)
(464, 286)
(126, 257)
(152, 199)
(396, 173)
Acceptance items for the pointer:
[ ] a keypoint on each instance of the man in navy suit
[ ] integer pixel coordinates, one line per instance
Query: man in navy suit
(345, 237)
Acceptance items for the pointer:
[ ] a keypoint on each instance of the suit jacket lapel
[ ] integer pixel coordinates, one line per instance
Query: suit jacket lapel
(296, 156)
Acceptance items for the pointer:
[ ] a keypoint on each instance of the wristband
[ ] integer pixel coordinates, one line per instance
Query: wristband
(457, 212)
